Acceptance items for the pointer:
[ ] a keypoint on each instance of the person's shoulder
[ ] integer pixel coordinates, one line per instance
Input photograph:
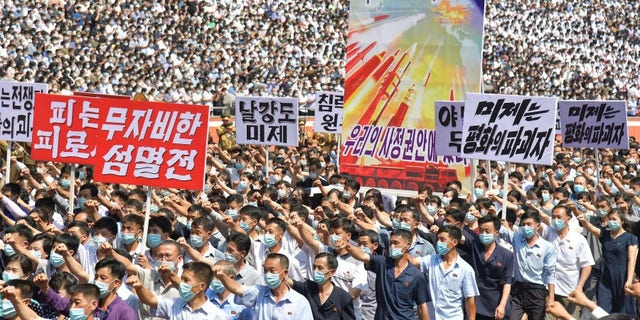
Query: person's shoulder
(341, 294)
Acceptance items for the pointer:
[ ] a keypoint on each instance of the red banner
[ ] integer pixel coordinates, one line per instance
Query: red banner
(132, 142)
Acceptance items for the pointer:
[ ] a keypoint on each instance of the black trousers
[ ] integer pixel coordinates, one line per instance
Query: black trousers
(529, 298)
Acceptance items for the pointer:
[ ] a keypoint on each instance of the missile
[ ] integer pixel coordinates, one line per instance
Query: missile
(360, 56)
(398, 117)
(360, 75)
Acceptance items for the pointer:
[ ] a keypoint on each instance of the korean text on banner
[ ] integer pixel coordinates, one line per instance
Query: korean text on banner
(329, 112)
(132, 142)
(267, 121)
(594, 124)
(509, 128)
(449, 128)
(16, 109)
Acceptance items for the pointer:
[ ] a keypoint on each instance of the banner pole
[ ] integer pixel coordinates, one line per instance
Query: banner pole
(72, 189)
(489, 174)
(147, 216)
(266, 161)
(504, 188)
(597, 171)
(338, 153)
(473, 175)
(8, 164)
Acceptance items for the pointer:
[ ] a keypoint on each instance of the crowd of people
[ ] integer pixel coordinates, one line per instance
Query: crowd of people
(301, 240)
(583, 50)
(203, 52)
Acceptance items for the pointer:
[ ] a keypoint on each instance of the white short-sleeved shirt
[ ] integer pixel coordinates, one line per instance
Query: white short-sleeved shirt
(178, 309)
(292, 306)
(259, 252)
(572, 254)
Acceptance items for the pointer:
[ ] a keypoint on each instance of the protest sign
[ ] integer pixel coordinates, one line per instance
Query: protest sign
(509, 128)
(449, 127)
(329, 112)
(132, 142)
(594, 124)
(16, 109)
(270, 121)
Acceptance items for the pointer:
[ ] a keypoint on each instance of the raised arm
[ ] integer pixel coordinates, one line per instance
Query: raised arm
(147, 297)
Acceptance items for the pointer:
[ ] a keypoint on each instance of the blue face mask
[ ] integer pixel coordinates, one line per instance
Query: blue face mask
(245, 227)
(103, 287)
(366, 250)
(313, 175)
(56, 259)
(36, 253)
(281, 194)
(486, 238)
(559, 173)
(6, 276)
(98, 240)
(616, 168)
(527, 231)
(231, 258)
(395, 223)
(128, 238)
(153, 240)
(272, 280)
(556, 202)
(395, 253)
(65, 183)
(441, 248)
(242, 186)
(252, 203)
(405, 226)
(577, 159)
(319, 277)
(81, 202)
(185, 291)
(477, 192)
(269, 240)
(578, 188)
(333, 238)
(217, 286)
(431, 209)
(171, 264)
(470, 217)
(446, 201)
(613, 225)
(239, 166)
(7, 310)
(558, 224)
(546, 197)
(77, 314)
(196, 241)
(8, 250)
(232, 213)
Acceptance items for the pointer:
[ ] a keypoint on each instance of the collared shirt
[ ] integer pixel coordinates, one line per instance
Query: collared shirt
(421, 247)
(338, 305)
(248, 275)
(259, 298)
(396, 296)
(259, 252)
(573, 254)
(116, 310)
(491, 276)
(234, 311)
(535, 264)
(449, 288)
(178, 309)
(152, 280)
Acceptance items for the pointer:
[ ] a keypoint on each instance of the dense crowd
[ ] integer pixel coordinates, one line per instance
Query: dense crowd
(177, 51)
(573, 50)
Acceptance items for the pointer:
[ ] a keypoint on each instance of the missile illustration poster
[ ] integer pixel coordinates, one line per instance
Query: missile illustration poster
(402, 56)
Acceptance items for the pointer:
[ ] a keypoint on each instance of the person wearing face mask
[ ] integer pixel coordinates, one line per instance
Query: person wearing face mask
(327, 300)
(273, 300)
(447, 267)
(17, 296)
(399, 284)
(480, 187)
(369, 242)
(273, 241)
(159, 231)
(131, 234)
(198, 247)
(410, 220)
(223, 298)
(193, 303)
(238, 246)
(574, 259)
(493, 265)
(534, 270)
(109, 273)
(618, 267)
(162, 280)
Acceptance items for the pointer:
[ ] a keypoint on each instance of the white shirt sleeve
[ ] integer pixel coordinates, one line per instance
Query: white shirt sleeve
(249, 296)
(163, 309)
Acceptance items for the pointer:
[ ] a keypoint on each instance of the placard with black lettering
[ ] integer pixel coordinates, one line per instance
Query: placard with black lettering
(329, 112)
(267, 121)
(594, 124)
(16, 109)
(449, 127)
(509, 128)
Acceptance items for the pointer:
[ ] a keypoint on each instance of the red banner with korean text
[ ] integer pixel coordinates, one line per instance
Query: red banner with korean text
(133, 142)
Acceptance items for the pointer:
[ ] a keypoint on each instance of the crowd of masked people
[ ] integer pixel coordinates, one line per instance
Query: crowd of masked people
(295, 238)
